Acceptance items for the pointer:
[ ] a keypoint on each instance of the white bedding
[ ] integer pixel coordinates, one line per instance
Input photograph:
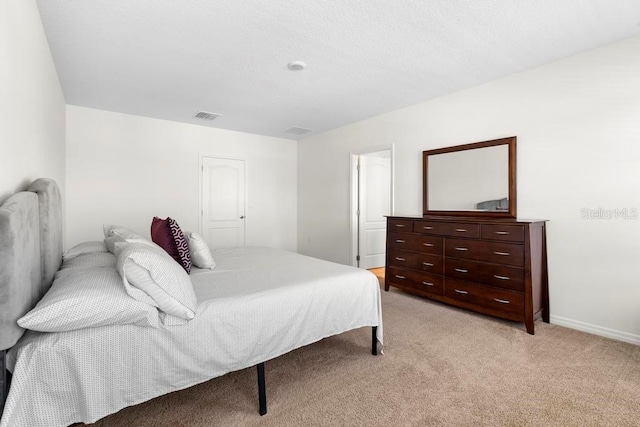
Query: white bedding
(257, 304)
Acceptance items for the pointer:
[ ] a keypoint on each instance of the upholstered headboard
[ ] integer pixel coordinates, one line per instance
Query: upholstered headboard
(50, 210)
(30, 253)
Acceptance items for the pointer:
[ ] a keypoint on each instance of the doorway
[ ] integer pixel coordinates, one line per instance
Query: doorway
(222, 183)
(371, 202)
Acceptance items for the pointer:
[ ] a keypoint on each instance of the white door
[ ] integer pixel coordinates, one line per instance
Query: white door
(374, 200)
(223, 202)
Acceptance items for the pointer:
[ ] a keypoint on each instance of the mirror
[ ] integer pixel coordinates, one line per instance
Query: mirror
(472, 179)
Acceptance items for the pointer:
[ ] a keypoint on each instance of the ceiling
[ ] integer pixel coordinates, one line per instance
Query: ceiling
(169, 59)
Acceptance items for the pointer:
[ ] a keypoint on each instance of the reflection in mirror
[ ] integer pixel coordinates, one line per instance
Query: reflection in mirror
(470, 180)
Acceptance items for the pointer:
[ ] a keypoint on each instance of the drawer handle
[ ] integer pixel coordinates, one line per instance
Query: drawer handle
(501, 253)
(461, 292)
(502, 233)
(399, 241)
(461, 270)
(427, 283)
(500, 277)
(399, 225)
(428, 264)
(502, 301)
(461, 230)
(427, 244)
(461, 249)
(427, 228)
(399, 277)
(400, 259)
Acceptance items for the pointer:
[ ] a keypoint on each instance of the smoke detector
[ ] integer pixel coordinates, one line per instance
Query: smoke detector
(296, 65)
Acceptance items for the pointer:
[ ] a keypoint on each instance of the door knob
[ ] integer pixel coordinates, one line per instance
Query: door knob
(242, 217)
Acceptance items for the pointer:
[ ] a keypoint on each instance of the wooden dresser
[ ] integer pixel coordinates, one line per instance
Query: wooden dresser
(493, 266)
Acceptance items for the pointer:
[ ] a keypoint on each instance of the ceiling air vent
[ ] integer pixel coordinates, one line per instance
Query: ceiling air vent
(206, 116)
(298, 131)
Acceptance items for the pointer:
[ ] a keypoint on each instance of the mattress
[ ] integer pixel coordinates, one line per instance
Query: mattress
(257, 304)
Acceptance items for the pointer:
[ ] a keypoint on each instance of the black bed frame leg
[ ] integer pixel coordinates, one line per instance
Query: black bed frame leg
(262, 392)
(374, 341)
(6, 377)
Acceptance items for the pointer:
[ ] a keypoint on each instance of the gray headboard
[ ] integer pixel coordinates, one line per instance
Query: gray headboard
(50, 208)
(30, 253)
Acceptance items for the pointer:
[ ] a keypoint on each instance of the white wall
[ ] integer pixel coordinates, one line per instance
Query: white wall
(125, 169)
(578, 126)
(32, 109)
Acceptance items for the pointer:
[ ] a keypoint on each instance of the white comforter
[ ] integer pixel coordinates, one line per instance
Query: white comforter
(257, 304)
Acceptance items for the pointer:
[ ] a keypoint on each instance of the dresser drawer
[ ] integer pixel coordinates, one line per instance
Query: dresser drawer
(499, 276)
(485, 296)
(457, 229)
(416, 260)
(399, 225)
(480, 250)
(512, 233)
(415, 242)
(407, 279)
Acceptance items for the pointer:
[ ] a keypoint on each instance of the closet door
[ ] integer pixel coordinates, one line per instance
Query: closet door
(223, 202)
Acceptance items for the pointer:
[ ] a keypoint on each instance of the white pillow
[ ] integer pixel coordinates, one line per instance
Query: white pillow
(85, 298)
(111, 241)
(125, 233)
(84, 248)
(90, 260)
(200, 254)
(151, 276)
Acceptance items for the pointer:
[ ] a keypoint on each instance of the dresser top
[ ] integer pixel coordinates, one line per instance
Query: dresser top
(473, 219)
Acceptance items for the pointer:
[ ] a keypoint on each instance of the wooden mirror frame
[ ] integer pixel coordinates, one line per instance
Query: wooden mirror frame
(511, 213)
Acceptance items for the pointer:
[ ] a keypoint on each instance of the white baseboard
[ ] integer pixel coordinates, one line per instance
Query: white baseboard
(596, 330)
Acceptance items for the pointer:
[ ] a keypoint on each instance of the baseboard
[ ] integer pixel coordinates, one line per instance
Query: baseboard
(596, 330)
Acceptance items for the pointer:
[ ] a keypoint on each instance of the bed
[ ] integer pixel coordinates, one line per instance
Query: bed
(257, 304)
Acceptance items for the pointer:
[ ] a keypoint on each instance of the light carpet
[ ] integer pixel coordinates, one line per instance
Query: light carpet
(441, 367)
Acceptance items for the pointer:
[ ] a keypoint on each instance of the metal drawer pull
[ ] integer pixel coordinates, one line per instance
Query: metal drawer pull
(501, 232)
(427, 244)
(428, 264)
(461, 270)
(427, 228)
(399, 241)
(427, 283)
(461, 230)
(399, 225)
(502, 253)
(461, 292)
(503, 301)
(399, 277)
(400, 259)
(500, 277)
(461, 249)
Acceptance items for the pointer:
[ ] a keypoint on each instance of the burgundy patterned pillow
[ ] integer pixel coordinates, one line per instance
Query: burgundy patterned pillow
(182, 245)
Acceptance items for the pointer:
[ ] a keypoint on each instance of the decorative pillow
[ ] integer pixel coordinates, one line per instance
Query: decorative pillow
(181, 244)
(84, 248)
(162, 236)
(167, 234)
(152, 277)
(90, 260)
(200, 253)
(85, 298)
